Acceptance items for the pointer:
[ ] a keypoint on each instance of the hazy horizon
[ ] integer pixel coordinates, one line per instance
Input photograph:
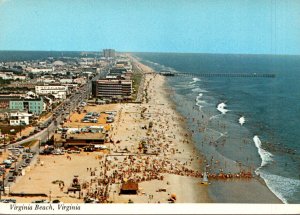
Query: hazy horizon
(117, 51)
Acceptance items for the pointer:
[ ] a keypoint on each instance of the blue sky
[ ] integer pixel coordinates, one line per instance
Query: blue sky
(203, 26)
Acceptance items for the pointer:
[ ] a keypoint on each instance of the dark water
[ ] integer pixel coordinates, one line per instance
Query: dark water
(267, 143)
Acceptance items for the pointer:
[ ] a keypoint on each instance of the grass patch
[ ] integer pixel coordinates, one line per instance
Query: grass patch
(5, 129)
(45, 115)
(29, 143)
(136, 80)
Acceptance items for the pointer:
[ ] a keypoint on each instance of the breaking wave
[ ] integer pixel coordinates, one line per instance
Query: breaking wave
(281, 186)
(194, 80)
(266, 157)
(242, 120)
(222, 108)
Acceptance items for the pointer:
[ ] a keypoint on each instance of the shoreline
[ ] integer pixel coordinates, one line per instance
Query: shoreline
(257, 183)
(157, 87)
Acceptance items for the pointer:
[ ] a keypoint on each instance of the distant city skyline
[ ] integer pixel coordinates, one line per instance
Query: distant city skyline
(188, 26)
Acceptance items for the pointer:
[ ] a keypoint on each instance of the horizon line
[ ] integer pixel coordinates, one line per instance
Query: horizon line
(162, 52)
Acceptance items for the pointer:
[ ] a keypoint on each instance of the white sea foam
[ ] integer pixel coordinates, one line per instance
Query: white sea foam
(215, 116)
(199, 95)
(222, 108)
(199, 90)
(242, 120)
(200, 102)
(194, 80)
(191, 85)
(184, 85)
(266, 157)
(281, 186)
(198, 99)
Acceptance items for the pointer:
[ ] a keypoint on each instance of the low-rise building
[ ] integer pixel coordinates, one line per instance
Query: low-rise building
(40, 70)
(11, 76)
(84, 139)
(6, 98)
(35, 106)
(58, 91)
(80, 80)
(66, 80)
(19, 118)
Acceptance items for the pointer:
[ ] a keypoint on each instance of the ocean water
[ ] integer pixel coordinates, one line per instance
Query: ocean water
(39, 55)
(249, 124)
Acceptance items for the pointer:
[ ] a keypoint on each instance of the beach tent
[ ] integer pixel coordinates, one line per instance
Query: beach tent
(129, 187)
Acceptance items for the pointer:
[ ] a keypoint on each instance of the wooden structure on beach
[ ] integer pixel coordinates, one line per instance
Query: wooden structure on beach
(84, 139)
(129, 187)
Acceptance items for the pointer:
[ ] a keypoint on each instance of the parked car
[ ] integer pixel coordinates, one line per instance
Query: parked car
(27, 150)
(7, 165)
(20, 147)
(11, 179)
(109, 120)
(94, 120)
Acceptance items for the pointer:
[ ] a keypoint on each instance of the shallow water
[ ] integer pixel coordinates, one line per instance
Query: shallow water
(241, 123)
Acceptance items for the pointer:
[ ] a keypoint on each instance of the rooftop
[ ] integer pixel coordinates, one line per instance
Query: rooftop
(86, 136)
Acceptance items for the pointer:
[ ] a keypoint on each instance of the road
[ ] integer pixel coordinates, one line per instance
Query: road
(59, 113)
(63, 110)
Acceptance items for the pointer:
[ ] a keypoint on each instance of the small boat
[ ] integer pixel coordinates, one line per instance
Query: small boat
(205, 179)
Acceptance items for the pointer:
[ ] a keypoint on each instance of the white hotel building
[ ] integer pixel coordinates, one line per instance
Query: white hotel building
(58, 91)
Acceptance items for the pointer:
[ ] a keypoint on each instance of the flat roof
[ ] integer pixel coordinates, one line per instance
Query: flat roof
(29, 100)
(114, 81)
(86, 136)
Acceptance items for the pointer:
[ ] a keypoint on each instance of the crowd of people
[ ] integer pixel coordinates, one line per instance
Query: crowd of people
(167, 156)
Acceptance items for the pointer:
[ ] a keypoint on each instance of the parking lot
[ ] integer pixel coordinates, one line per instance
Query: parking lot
(14, 161)
(92, 116)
